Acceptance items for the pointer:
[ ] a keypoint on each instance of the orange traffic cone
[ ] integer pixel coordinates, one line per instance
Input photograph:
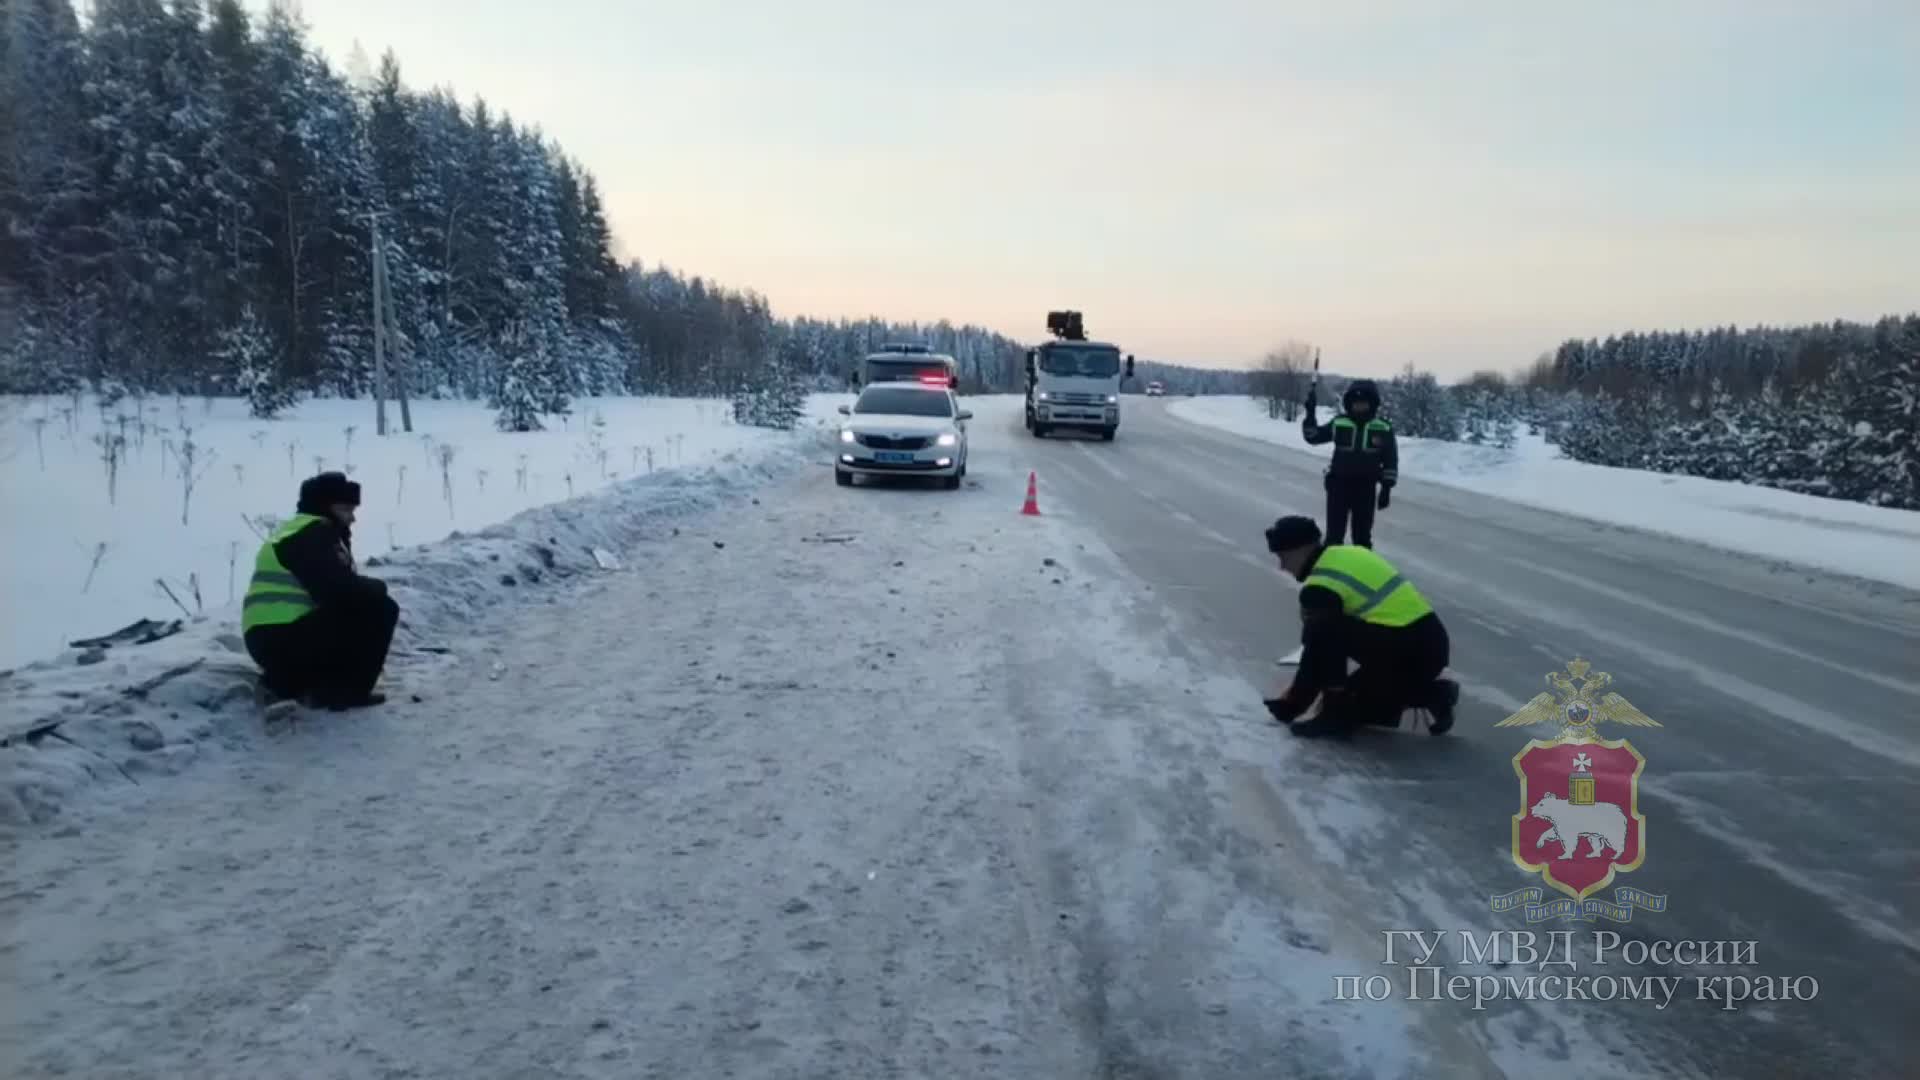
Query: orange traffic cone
(1032, 509)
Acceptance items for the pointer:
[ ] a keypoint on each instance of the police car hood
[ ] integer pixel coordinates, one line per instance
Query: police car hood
(899, 424)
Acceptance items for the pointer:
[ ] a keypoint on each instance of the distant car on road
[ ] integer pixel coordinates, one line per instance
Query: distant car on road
(1156, 388)
(903, 429)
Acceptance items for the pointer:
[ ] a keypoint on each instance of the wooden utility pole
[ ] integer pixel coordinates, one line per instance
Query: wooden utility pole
(391, 322)
(379, 328)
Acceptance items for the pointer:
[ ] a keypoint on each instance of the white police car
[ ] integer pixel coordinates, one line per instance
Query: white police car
(903, 429)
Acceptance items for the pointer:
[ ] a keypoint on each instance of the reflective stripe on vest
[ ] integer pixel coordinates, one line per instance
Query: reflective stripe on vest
(1369, 587)
(274, 596)
(1363, 437)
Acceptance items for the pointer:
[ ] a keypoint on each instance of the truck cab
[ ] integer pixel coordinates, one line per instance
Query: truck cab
(1073, 382)
(907, 363)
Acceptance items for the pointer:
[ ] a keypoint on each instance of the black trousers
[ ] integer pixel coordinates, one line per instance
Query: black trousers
(1350, 499)
(1394, 667)
(335, 654)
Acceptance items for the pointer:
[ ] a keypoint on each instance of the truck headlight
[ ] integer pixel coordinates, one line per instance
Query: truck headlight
(1044, 396)
(1113, 399)
(846, 435)
(947, 439)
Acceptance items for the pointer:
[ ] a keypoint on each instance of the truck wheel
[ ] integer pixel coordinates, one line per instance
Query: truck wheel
(843, 478)
(952, 483)
(1106, 434)
(1039, 430)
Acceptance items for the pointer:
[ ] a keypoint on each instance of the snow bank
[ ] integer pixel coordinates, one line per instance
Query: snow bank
(83, 562)
(116, 714)
(1851, 538)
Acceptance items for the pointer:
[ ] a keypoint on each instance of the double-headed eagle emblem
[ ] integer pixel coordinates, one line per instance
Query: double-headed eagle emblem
(1584, 708)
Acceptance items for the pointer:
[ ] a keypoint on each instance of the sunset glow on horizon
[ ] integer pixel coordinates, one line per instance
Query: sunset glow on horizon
(1393, 184)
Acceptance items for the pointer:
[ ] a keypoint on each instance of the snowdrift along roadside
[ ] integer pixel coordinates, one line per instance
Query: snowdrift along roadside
(84, 560)
(109, 718)
(1872, 542)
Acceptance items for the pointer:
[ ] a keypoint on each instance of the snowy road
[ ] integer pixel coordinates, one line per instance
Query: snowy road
(1779, 792)
(974, 794)
(941, 800)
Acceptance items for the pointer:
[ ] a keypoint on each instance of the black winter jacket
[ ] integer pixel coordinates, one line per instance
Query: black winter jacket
(321, 556)
(1364, 451)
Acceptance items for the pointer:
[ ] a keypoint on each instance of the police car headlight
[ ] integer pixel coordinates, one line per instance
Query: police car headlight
(846, 435)
(947, 439)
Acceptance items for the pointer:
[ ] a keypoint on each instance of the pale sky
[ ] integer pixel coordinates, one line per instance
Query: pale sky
(1460, 185)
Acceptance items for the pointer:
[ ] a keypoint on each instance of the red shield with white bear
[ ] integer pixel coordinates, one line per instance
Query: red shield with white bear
(1579, 821)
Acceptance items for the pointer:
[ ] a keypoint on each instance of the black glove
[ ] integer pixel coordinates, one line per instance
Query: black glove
(1386, 496)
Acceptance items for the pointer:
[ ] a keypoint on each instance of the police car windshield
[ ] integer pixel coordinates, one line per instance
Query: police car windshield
(1087, 362)
(898, 401)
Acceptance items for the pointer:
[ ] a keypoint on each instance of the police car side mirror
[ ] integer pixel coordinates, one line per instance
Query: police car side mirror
(964, 415)
(846, 410)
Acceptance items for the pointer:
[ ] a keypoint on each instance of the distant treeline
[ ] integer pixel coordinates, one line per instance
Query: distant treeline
(189, 199)
(1830, 409)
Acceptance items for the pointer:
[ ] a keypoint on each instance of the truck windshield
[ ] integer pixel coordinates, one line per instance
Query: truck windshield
(904, 402)
(1087, 363)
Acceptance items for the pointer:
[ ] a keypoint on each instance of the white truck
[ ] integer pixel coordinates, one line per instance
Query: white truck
(894, 362)
(1073, 382)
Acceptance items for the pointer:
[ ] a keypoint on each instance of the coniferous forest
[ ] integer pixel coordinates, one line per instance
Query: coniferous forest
(190, 194)
(1830, 410)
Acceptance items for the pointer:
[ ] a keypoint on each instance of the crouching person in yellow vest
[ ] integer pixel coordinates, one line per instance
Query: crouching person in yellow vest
(318, 629)
(1356, 607)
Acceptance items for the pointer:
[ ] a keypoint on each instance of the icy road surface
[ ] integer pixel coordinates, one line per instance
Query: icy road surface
(893, 782)
(1779, 792)
(919, 803)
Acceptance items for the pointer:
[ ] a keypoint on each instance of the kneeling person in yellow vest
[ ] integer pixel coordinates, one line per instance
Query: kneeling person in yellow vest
(1354, 606)
(318, 628)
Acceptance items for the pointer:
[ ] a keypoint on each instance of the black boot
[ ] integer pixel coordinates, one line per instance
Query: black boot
(1442, 696)
(1334, 718)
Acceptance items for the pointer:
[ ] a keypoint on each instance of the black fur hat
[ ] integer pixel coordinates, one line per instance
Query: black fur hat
(1292, 531)
(317, 493)
(1361, 390)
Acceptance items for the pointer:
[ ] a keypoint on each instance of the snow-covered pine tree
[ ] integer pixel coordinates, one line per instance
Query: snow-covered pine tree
(515, 401)
(246, 348)
(238, 239)
(786, 395)
(516, 395)
(142, 188)
(1420, 407)
(531, 382)
(1475, 405)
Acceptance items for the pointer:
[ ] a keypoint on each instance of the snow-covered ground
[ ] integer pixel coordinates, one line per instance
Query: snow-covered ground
(84, 560)
(887, 780)
(1850, 538)
(111, 715)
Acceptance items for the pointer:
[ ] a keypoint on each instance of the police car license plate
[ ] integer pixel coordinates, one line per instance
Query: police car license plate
(893, 457)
